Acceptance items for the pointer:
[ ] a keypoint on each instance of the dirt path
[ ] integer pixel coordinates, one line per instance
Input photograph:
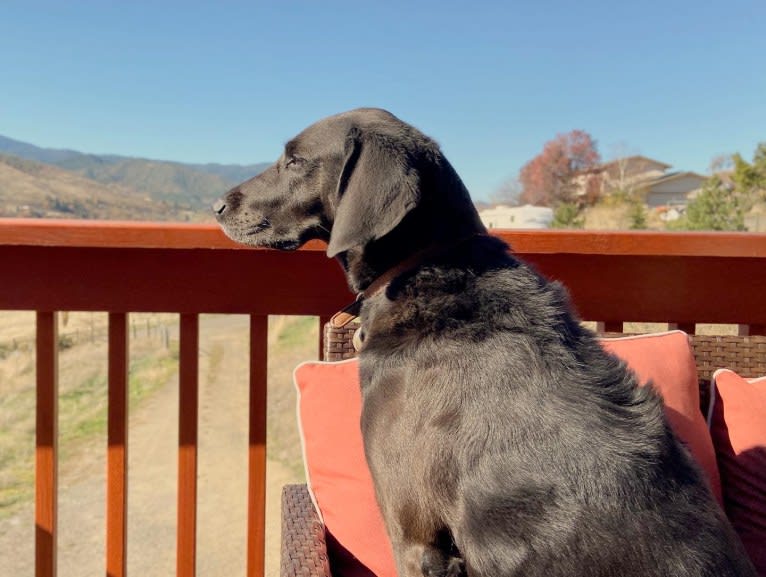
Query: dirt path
(153, 441)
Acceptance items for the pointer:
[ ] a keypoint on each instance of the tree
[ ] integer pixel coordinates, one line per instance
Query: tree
(563, 168)
(716, 207)
(567, 215)
(721, 163)
(620, 173)
(625, 175)
(750, 178)
(637, 214)
(508, 193)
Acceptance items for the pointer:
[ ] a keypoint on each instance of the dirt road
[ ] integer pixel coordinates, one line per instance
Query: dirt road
(153, 437)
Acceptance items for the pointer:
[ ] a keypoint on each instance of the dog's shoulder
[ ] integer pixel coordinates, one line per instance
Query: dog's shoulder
(479, 287)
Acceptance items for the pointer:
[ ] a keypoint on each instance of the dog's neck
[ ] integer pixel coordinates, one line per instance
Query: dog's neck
(370, 268)
(444, 216)
(409, 263)
(379, 283)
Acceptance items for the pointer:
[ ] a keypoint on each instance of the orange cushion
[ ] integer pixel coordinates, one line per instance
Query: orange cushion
(329, 409)
(738, 426)
(666, 359)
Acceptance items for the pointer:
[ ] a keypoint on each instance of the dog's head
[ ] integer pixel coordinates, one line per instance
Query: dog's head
(349, 179)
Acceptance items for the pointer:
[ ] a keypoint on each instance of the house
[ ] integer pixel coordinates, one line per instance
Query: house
(673, 189)
(527, 216)
(646, 177)
(628, 172)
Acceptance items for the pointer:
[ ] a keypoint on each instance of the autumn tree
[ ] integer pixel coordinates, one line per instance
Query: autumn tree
(563, 173)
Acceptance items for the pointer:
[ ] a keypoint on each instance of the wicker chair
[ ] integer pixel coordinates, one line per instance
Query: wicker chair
(305, 551)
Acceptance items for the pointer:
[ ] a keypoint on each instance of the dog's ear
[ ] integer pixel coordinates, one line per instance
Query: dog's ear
(378, 186)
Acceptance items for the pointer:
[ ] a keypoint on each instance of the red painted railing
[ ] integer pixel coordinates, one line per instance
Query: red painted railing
(50, 266)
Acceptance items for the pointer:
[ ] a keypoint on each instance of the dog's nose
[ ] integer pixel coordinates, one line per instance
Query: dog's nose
(219, 207)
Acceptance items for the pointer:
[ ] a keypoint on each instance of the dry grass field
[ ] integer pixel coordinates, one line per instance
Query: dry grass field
(152, 440)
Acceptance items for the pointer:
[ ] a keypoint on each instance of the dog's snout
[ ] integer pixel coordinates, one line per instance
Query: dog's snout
(219, 207)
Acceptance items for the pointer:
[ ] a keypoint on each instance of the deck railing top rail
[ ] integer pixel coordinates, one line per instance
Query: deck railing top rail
(683, 278)
(171, 235)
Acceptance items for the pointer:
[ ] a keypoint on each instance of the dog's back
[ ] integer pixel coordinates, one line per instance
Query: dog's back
(531, 444)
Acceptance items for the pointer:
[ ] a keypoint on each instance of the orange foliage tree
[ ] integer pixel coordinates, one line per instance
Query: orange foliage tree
(564, 172)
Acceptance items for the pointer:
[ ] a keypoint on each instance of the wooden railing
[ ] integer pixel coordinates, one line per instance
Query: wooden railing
(50, 266)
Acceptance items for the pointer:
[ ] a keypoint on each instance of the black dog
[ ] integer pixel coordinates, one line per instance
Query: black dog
(501, 438)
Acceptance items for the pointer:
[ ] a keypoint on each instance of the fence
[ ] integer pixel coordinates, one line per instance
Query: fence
(121, 268)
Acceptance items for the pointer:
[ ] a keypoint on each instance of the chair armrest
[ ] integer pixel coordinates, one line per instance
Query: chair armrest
(304, 549)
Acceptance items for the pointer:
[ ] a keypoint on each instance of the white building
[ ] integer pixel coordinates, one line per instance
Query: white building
(526, 216)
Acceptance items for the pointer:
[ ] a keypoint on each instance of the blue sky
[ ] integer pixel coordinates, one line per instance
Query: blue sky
(681, 81)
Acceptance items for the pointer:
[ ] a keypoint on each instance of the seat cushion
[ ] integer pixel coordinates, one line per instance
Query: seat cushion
(329, 409)
(738, 427)
(667, 361)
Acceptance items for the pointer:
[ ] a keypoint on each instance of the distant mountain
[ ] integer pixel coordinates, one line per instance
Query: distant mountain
(36, 190)
(234, 173)
(190, 186)
(12, 147)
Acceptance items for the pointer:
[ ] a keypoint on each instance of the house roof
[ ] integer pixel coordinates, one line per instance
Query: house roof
(674, 176)
(635, 159)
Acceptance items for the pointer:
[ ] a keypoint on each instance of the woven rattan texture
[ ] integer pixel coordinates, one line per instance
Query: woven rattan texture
(744, 355)
(338, 342)
(304, 551)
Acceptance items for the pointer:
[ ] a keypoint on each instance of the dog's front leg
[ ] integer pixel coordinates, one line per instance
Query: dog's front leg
(419, 560)
(436, 562)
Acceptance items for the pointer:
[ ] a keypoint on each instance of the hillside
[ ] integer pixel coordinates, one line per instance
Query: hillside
(192, 186)
(33, 189)
(162, 181)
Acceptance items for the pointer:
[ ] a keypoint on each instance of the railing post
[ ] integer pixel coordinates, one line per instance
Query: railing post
(188, 374)
(256, 490)
(46, 457)
(117, 451)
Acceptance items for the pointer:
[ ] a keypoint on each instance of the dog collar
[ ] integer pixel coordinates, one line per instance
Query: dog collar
(350, 312)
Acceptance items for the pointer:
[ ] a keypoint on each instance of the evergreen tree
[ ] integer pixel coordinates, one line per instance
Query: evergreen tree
(567, 215)
(750, 178)
(717, 207)
(637, 214)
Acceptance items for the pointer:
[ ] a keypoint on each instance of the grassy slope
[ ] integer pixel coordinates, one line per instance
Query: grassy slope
(32, 189)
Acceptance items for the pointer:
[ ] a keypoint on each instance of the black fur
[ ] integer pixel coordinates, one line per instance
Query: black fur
(502, 439)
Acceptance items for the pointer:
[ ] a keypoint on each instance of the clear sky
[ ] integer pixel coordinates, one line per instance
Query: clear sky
(677, 80)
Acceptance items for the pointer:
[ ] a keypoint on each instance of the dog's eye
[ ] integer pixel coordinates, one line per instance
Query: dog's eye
(293, 161)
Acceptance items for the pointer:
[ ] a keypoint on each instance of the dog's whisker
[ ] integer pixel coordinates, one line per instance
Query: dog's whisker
(260, 227)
